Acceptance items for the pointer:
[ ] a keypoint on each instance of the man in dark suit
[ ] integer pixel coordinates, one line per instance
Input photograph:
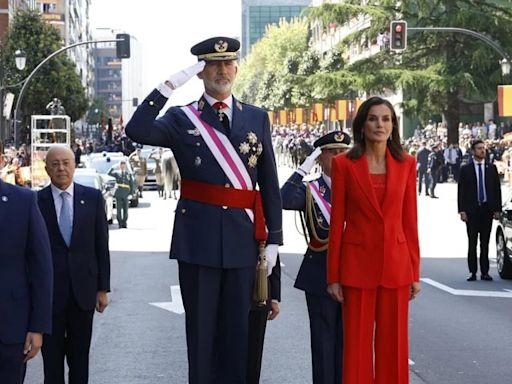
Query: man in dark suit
(422, 167)
(26, 279)
(313, 199)
(78, 231)
(224, 151)
(479, 200)
(258, 317)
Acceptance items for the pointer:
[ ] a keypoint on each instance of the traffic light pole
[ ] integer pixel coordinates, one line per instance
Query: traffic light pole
(29, 77)
(469, 32)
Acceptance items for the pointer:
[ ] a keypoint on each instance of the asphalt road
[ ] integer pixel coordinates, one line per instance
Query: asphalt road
(456, 336)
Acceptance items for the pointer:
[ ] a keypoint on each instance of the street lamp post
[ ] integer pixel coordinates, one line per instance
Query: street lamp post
(20, 59)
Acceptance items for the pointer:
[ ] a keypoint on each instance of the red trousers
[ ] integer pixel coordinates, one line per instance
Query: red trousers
(375, 334)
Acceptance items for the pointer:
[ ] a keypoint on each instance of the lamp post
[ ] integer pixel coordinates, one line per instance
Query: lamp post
(20, 59)
(505, 67)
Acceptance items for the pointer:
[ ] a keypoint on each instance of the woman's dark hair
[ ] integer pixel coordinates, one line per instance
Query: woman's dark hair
(359, 147)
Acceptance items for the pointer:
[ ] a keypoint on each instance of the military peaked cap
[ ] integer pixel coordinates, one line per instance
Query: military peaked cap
(336, 139)
(216, 49)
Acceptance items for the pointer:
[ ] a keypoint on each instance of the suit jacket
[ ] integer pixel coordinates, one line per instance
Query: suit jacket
(312, 276)
(369, 245)
(83, 268)
(206, 234)
(467, 188)
(26, 273)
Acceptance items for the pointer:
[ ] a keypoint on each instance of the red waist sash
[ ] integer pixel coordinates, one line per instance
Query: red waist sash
(229, 197)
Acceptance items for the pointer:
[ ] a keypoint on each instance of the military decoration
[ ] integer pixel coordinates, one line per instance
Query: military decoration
(251, 148)
(322, 190)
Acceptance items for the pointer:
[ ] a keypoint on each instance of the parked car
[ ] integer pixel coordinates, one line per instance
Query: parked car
(504, 241)
(103, 162)
(90, 178)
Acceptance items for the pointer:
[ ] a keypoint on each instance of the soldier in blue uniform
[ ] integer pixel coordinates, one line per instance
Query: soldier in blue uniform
(313, 199)
(224, 151)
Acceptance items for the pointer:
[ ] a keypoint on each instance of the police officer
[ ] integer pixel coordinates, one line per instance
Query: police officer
(313, 199)
(125, 187)
(140, 168)
(224, 152)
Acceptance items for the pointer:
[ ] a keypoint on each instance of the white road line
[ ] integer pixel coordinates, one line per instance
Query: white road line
(467, 292)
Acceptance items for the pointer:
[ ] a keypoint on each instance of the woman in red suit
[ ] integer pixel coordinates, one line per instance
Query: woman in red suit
(373, 258)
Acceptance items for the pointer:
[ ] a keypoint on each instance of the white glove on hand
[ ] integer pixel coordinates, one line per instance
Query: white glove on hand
(271, 256)
(180, 78)
(309, 163)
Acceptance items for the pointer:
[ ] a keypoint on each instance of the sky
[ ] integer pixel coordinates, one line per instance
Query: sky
(166, 29)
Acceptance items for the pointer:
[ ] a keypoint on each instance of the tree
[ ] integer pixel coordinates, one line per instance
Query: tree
(439, 73)
(269, 77)
(56, 79)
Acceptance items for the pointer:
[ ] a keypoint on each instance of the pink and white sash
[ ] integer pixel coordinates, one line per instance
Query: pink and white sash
(324, 205)
(223, 151)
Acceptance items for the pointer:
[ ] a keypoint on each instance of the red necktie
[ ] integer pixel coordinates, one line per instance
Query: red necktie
(219, 106)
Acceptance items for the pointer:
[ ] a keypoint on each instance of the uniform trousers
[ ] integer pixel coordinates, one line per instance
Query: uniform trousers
(70, 339)
(326, 338)
(12, 367)
(375, 330)
(217, 303)
(479, 223)
(257, 327)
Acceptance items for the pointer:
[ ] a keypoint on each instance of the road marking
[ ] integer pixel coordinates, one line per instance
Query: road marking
(467, 292)
(411, 362)
(176, 305)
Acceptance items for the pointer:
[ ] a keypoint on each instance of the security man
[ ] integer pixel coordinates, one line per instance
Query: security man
(224, 152)
(125, 187)
(313, 200)
(140, 168)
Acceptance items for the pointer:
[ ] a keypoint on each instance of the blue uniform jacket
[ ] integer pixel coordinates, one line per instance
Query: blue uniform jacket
(84, 266)
(206, 234)
(26, 273)
(312, 276)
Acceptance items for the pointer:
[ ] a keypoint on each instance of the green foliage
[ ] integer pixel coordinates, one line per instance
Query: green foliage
(57, 78)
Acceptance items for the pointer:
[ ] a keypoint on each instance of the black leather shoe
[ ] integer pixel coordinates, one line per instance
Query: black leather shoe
(486, 277)
(434, 197)
(472, 277)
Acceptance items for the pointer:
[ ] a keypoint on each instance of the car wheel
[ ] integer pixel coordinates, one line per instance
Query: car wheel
(503, 262)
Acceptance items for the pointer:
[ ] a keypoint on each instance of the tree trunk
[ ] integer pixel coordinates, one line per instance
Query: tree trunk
(452, 117)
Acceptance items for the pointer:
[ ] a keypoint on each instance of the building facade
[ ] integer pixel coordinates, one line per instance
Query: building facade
(258, 14)
(7, 10)
(118, 82)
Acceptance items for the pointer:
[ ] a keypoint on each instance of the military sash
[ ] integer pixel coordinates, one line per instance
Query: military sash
(223, 151)
(324, 205)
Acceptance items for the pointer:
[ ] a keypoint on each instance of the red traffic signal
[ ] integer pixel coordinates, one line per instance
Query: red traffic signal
(398, 35)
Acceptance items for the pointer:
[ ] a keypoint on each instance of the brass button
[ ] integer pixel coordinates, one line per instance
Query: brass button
(224, 207)
(183, 210)
(151, 103)
(227, 185)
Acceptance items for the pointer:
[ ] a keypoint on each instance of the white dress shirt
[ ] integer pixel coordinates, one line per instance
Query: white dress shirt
(229, 102)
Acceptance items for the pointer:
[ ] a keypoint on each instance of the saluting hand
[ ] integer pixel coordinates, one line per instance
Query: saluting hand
(179, 78)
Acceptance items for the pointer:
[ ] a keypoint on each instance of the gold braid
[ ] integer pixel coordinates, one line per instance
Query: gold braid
(313, 220)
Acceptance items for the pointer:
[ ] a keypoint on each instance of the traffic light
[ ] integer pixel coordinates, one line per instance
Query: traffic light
(123, 46)
(398, 35)
(135, 102)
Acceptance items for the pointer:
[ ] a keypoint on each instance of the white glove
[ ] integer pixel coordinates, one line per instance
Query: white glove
(309, 162)
(271, 256)
(180, 78)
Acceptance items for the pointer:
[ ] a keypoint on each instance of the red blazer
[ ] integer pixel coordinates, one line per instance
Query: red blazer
(369, 245)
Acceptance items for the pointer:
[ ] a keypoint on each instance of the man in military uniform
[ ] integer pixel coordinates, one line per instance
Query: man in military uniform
(313, 200)
(140, 168)
(224, 151)
(125, 187)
